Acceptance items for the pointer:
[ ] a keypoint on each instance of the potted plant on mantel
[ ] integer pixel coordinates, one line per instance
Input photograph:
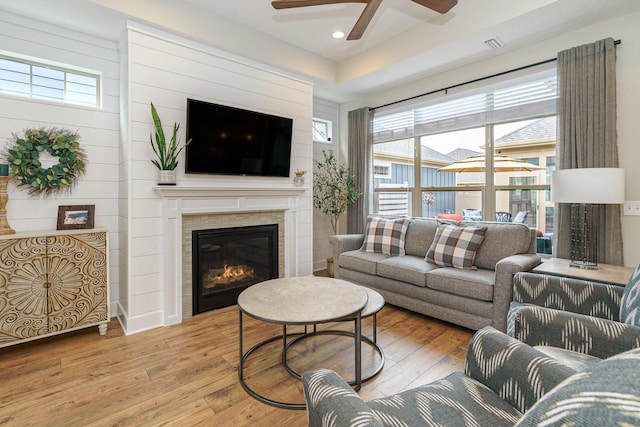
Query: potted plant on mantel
(333, 190)
(167, 153)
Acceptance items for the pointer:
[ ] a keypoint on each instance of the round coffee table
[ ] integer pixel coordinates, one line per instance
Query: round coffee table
(305, 301)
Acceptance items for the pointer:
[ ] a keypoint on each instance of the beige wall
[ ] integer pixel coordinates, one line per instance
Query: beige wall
(628, 77)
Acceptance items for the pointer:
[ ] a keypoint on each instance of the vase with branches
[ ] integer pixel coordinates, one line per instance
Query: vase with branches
(333, 188)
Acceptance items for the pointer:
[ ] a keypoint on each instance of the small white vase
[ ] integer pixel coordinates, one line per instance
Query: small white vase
(167, 177)
(298, 181)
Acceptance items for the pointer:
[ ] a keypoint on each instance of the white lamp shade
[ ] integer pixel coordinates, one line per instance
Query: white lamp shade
(588, 185)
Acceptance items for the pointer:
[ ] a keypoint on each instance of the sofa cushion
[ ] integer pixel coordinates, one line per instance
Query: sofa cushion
(476, 284)
(420, 235)
(456, 246)
(385, 236)
(361, 261)
(410, 269)
(501, 240)
(630, 302)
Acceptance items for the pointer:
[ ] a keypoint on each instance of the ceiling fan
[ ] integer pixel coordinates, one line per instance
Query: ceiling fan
(440, 6)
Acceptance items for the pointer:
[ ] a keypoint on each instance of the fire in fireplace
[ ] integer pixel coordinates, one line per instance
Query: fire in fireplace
(228, 260)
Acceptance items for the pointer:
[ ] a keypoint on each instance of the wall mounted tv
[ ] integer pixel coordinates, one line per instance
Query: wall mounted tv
(233, 141)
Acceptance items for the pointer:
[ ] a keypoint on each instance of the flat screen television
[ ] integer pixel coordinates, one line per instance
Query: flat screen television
(233, 141)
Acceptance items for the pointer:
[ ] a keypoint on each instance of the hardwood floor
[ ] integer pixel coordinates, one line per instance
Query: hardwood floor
(186, 375)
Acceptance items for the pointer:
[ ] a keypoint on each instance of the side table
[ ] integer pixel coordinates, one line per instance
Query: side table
(606, 273)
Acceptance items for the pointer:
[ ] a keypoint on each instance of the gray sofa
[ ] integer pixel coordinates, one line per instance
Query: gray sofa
(472, 298)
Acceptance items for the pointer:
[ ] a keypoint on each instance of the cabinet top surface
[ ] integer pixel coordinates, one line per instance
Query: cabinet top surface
(24, 234)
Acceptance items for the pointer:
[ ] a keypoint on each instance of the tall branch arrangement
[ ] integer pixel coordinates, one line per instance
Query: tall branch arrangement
(333, 188)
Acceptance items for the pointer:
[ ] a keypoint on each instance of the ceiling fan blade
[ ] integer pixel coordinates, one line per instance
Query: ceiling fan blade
(363, 21)
(286, 4)
(440, 6)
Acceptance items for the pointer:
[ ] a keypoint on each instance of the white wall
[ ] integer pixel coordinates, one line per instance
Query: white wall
(628, 93)
(97, 127)
(325, 110)
(166, 69)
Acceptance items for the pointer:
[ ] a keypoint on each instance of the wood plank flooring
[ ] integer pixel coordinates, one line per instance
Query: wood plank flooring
(186, 375)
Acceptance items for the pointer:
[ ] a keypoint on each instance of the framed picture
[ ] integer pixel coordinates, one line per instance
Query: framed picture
(75, 216)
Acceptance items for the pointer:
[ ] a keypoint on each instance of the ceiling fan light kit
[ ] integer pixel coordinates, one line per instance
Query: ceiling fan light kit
(440, 6)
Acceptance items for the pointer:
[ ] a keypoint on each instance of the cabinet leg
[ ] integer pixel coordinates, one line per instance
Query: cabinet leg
(102, 329)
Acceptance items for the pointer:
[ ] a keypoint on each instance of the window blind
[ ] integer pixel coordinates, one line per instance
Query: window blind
(492, 105)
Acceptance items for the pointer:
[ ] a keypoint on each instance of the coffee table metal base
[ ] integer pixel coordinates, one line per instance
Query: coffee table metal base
(244, 356)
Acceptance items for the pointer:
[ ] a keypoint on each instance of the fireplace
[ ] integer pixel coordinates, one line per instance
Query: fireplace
(228, 260)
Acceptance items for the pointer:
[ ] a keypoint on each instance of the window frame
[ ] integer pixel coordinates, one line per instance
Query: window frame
(488, 189)
(65, 69)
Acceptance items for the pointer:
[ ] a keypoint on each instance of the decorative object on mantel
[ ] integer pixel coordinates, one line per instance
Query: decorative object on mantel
(333, 190)
(167, 153)
(298, 180)
(76, 217)
(26, 157)
(4, 198)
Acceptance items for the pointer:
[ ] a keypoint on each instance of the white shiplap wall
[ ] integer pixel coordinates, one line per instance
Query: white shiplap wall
(98, 127)
(166, 69)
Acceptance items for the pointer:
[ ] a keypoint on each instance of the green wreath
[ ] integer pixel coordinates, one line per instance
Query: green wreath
(25, 166)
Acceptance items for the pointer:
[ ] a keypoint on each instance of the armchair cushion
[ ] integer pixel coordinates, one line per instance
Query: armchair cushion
(576, 332)
(630, 303)
(604, 395)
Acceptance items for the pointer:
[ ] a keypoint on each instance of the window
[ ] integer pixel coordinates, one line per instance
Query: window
(382, 171)
(322, 130)
(429, 148)
(40, 81)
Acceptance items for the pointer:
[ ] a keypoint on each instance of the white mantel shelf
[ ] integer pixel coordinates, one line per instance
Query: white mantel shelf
(227, 191)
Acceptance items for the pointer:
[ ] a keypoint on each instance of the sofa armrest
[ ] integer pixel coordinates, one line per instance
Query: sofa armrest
(344, 243)
(518, 373)
(331, 401)
(585, 334)
(506, 269)
(574, 295)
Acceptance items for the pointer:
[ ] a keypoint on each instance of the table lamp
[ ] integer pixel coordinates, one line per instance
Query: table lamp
(585, 188)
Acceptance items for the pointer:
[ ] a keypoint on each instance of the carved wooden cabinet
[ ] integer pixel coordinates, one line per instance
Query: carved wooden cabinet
(53, 282)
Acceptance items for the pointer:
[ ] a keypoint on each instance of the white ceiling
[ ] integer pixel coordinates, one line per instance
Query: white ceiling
(404, 41)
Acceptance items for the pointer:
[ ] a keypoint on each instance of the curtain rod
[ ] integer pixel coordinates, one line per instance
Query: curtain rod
(445, 89)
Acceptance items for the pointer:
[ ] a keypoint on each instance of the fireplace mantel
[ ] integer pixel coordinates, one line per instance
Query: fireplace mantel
(179, 201)
(174, 191)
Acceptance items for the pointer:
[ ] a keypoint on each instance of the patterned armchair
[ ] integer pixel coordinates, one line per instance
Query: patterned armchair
(505, 383)
(494, 390)
(595, 319)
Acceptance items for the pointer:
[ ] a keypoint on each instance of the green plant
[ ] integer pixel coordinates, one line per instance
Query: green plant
(27, 170)
(167, 153)
(333, 188)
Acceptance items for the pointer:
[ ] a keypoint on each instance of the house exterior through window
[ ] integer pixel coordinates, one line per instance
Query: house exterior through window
(507, 128)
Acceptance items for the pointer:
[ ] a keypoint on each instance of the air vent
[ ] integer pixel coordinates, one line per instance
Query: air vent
(493, 43)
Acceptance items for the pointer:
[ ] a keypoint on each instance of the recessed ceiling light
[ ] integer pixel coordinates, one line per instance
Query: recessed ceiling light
(337, 34)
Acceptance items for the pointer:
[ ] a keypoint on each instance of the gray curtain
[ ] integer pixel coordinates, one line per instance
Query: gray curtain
(587, 136)
(360, 160)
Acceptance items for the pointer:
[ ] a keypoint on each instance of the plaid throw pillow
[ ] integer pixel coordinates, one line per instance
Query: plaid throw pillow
(456, 246)
(385, 236)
